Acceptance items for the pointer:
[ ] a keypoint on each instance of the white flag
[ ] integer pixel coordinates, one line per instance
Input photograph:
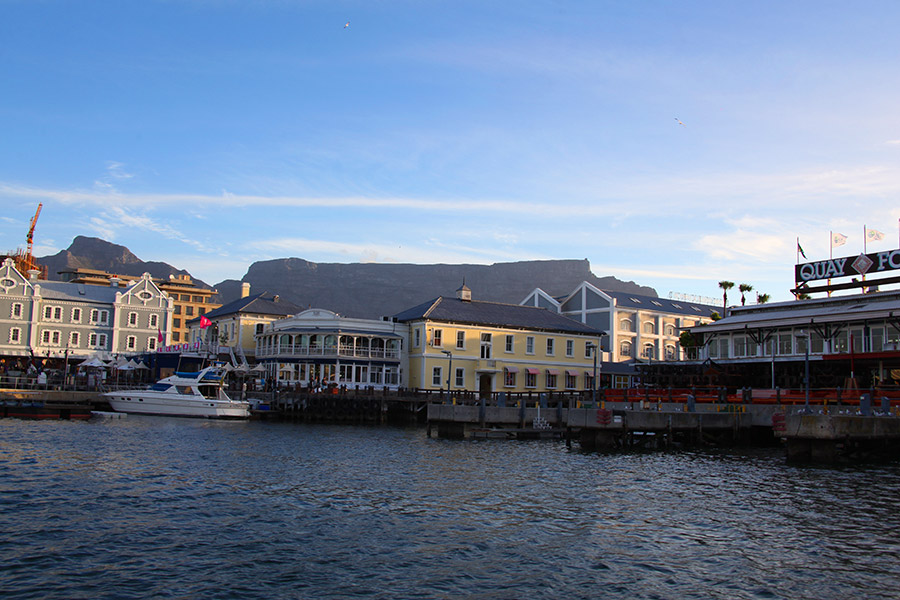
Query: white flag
(838, 239)
(873, 235)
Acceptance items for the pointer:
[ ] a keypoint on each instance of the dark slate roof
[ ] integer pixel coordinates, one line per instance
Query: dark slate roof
(495, 314)
(639, 302)
(260, 304)
(79, 292)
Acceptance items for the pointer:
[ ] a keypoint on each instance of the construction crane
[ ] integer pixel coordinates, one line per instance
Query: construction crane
(30, 237)
(24, 259)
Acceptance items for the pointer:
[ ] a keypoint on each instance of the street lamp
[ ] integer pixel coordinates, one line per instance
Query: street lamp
(449, 369)
(806, 366)
(593, 348)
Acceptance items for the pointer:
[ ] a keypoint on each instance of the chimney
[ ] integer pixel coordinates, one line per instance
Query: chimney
(245, 289)
(33, 275)
(114, 281)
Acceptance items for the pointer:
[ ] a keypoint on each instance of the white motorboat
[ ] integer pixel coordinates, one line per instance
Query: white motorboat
(200, 394)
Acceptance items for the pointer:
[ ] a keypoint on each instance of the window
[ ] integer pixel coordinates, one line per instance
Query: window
(74, 339)
(588, 381)
(259, 328)
(417, 337)
(177, 309)
(45, 337)
(549, 346)
(16, 310)
(570, 348)
(55, 338)
(436, 377)
(571, 380)
(132, 319)
(649, 351)
(670, 329)
(437, 339)
(131, 343)
(529, 345)
(176, 336)
(625, 325)
(154, 321)
(189, 311)
(460, 378)
(99, 317)
(48, 313)
(670, 352)
(531, 378)
(486, 345)
(588, 350)
(76, 315)
(92, 340)
(185, 298)
(460, 339)
(510, 343)
(95, 316)
(649, 327)
(551, 379)
(151, 343)
(509, 378)
(15, 335)
(176, 322)
(101, 340)
(625, 348)
(197, 299)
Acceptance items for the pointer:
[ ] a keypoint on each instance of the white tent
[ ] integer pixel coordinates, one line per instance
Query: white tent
(93, 362)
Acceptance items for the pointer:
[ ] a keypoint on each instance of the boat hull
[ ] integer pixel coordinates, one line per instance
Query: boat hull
(143, 403)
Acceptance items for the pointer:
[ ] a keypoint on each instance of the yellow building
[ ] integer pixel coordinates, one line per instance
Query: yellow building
(488, 347)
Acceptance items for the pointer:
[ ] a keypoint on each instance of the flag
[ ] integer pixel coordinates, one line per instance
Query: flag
(204, 322)
(159, 335)
(838, 239)
(873, 235)
(800, 250)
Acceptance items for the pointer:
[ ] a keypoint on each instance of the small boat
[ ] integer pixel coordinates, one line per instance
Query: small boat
(199, 394)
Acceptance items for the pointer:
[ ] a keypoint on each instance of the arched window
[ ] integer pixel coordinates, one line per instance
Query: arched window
(670, 352)
(670, 329)
(625, 348)
(649, 351)
(625, 324)
(649, 327)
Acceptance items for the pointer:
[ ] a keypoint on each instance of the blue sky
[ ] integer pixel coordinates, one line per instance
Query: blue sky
(675, 144)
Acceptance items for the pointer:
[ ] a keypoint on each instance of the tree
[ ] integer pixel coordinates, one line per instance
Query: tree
(744, 287)
(725, 285)
(762, 298)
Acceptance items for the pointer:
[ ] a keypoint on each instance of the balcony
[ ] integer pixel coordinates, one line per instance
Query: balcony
(319, 351)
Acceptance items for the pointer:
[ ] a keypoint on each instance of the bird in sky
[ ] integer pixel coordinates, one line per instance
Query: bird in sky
(679, 122)
(347, 24)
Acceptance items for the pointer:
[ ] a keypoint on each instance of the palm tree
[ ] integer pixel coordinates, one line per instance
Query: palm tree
(725, 285)
(744, 287)
(762, 298)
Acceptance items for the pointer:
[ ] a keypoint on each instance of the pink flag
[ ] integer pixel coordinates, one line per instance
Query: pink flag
(204, 322)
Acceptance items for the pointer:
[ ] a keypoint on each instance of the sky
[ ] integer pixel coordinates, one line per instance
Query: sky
(671, 143)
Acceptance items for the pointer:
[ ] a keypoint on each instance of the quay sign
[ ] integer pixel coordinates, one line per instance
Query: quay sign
(850, 266)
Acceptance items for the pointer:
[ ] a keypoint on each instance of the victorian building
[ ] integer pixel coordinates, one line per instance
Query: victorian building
(50, 319)
(487, 347)
(318, 347)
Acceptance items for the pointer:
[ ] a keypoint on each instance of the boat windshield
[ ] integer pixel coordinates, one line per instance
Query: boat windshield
(208, 391)
(160, 387)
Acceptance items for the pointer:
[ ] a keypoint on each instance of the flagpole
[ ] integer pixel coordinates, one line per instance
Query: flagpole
(830, 256)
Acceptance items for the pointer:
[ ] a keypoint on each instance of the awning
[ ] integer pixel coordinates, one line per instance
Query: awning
(588, 374)
(511, 369)
(571, 373)
(532, 371)
(552, 372)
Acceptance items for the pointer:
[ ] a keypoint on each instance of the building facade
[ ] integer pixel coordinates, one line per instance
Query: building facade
(189, 299)
(235, 325)
(461, 344)
(318, 347)
(637, 327)
(53, 319)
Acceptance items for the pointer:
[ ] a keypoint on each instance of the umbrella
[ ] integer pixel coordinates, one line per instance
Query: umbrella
(141, 365)
(93, 362)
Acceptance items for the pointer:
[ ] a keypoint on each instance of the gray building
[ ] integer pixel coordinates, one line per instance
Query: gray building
(53, 319)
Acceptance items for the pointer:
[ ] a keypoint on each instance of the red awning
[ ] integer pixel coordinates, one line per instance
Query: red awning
(532, 371)
(571, 373)
(552, 372)
(511, 369)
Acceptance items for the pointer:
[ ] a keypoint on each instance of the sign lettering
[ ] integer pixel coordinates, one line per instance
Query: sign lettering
(851, 266)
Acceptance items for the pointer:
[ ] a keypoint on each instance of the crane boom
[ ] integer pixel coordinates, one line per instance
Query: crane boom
(30, 237)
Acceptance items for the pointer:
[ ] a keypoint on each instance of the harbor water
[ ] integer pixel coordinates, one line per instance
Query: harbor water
(150, 507)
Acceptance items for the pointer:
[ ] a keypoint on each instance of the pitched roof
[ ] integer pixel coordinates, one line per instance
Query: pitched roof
(640, 302)
(495, 314)
(79, 292)
(263, 303)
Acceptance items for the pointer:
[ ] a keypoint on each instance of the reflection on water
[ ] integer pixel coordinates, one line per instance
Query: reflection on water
(150, 507)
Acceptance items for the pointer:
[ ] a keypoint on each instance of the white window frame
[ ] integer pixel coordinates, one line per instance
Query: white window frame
(529, 344)
(437, 339)
(461, 340)
(131, 342)
(510, 343)
(151, 343)
(460, 377)
(15, 335)
(132, 319)
(74, 339)
(551, 380)
(437, 377)
(76, 314)
(16, 310)
(551, 346)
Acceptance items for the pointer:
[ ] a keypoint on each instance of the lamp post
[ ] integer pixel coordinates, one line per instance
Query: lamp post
(449, 369)
(593, 348)
(806, 366)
